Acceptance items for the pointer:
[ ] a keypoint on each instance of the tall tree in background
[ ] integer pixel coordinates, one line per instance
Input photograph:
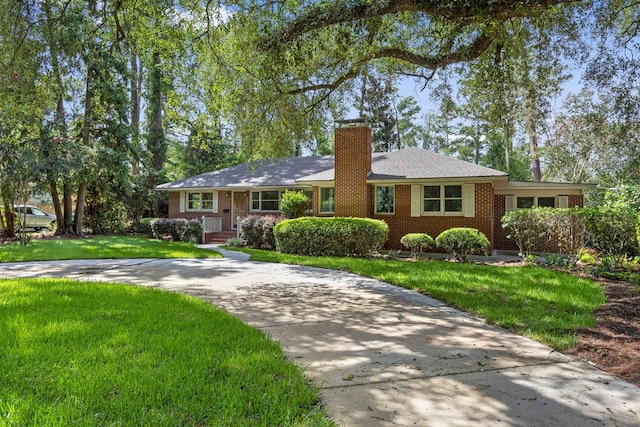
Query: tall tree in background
(376, 104)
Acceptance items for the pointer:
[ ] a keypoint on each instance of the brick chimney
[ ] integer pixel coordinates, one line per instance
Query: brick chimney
(352, 166)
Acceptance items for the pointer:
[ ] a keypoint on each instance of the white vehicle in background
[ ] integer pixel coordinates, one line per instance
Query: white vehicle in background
(35, 218)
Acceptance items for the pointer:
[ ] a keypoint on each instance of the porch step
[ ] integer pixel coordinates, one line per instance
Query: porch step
(220, 236)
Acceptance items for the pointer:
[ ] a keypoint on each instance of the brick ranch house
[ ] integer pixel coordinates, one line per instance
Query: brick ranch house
(412, 190)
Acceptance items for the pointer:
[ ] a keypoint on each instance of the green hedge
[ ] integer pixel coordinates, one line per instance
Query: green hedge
(612, 231)
(536, 230)
(462, 242)
(180, 229)
(417, 242)
(257, 231)
(331, 236)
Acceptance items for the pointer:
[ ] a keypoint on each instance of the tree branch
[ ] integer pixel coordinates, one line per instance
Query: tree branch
(468, 53)
(326, 86)
(321, 16)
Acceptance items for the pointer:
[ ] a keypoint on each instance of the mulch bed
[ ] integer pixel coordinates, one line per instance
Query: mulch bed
(613, 344)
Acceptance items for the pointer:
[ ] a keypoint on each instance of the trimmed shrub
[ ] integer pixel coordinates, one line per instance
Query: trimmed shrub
(251, 233)
(257, 231)
(294, 204)
(268, 238)
(192, 231)
(179, 229)
(462, 242)
(417, 242)
(331, 236)
(160, 227)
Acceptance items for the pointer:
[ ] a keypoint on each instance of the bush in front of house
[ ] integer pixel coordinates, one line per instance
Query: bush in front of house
(462, 242)
(192, 231)
(613, 232)
(528, 228)
(417, 242)
(257, 231)
(236, 242)
(179, 229)
(251, 233)
(143, 226)
(547, 229)
(294, 204)
(331, 236)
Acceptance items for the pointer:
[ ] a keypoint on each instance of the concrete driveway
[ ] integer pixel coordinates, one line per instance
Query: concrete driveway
(382, 355)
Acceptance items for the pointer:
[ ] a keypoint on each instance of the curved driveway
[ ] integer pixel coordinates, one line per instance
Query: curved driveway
(382, 355)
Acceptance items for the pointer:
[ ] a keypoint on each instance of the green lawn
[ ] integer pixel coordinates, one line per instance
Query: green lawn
(110, 247)
(77, 353)
(542, 304)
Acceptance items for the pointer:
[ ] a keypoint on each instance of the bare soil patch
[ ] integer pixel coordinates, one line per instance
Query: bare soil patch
(613, 344)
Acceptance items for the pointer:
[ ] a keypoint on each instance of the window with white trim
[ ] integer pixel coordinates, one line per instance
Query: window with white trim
(268, 200)
(385, 199)
(442, 199)
(540, 202)
(202, 201)
(327, 199)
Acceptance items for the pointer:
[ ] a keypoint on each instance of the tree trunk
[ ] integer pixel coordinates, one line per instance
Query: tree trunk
(86, 140)
(156, 141)
(532, 130)
(135, 109)
(533, 154)
(55, 197)
(10, 230)
(67, 208)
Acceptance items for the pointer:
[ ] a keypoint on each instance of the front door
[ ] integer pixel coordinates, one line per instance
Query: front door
(240, 207)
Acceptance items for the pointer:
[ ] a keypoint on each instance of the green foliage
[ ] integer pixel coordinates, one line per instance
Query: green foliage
(331, 236)
(236, 242)
(109, 354)
(547, 229)
(612, 231)
(192, 232)
(417, 242)
(638, 230)
(105, 214)
(179, 229)
(462, 242)
(294, 204)
(527, 228)
(257, 231)
(143, 226)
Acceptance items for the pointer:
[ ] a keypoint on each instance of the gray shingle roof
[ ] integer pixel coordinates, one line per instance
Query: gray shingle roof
(263, 173)
(415, 163)
(409, 163)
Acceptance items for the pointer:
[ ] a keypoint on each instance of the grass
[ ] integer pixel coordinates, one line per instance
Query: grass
(542, 304)
(78, 353)
(106, 247)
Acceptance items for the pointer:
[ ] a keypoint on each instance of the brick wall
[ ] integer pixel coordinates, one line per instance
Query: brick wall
(500, 236)
(352, 165)
(224, 202)
(402, 222)
(501, 240)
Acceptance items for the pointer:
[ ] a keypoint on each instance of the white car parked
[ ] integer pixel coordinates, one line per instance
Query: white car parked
(36, 218)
